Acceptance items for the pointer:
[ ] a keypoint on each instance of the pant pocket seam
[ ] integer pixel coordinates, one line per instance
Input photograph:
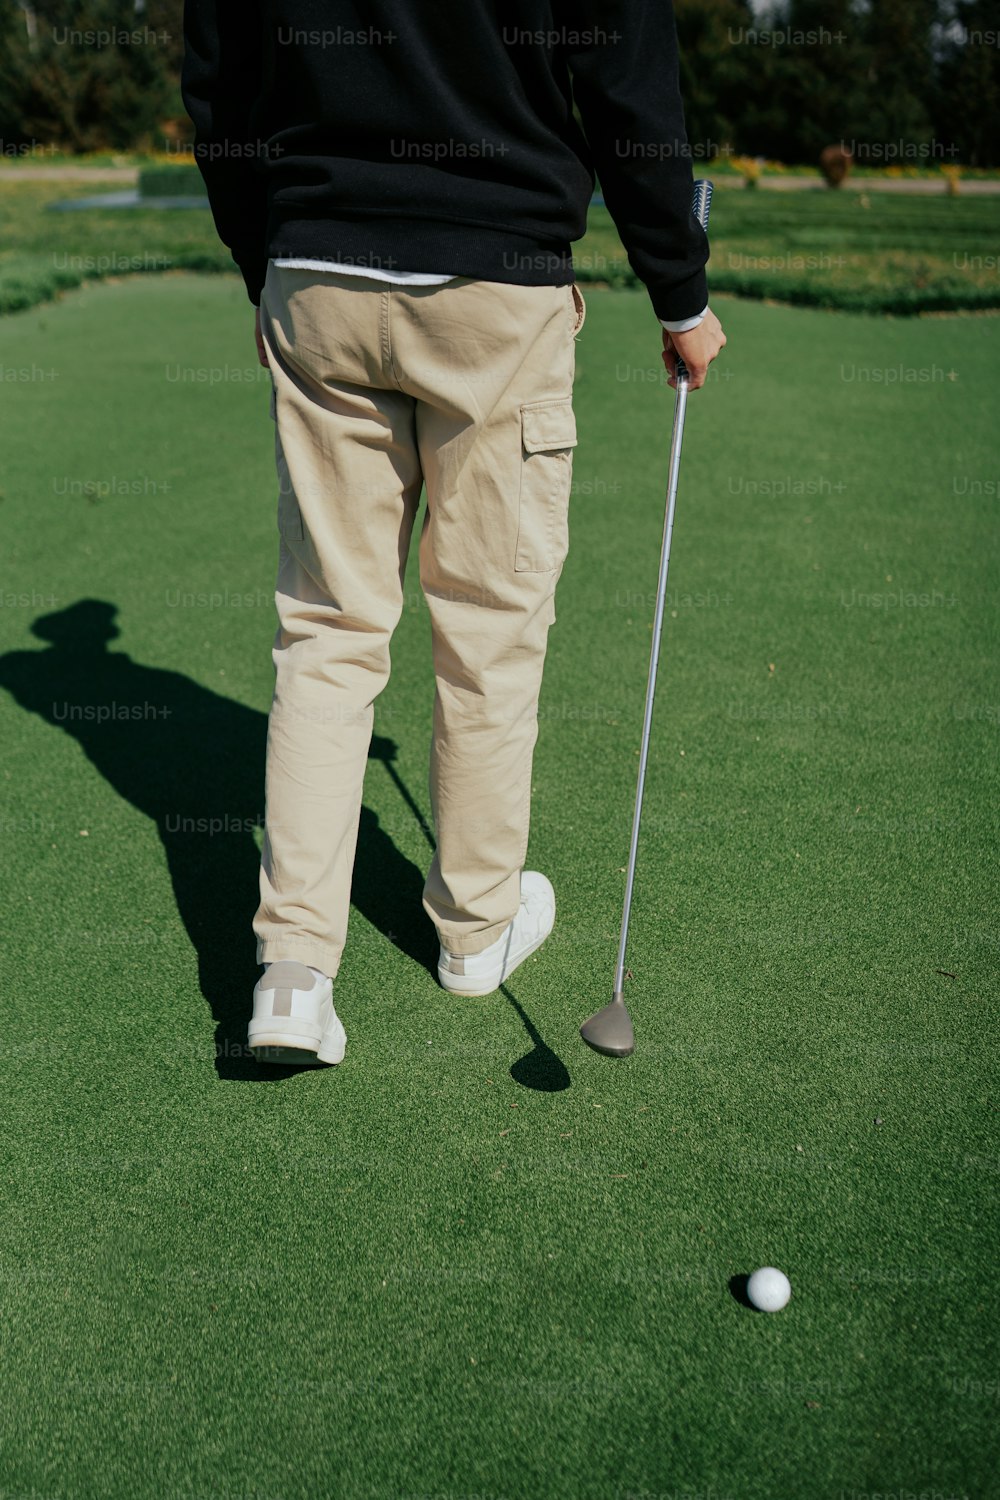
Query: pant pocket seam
(289, 516)
(579, 309)
(548, 436)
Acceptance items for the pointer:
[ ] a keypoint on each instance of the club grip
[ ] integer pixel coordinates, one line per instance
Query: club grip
(702, 201)
(701, 208)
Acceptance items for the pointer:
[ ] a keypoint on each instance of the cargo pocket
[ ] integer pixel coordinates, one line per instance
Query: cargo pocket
(548, 437)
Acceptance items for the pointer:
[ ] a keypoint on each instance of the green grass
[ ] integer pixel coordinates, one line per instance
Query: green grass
(478, 1259)
(860, 252)
(43, 254)
(871, 253)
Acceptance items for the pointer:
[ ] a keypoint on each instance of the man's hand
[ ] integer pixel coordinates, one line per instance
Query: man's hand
(698, 347)
(261, 351)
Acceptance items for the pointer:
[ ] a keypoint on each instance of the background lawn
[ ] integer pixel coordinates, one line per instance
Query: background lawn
(862, 252)
(865, 252)
(478, 1259)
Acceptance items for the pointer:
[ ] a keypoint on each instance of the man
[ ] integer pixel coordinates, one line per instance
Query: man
(399, 182)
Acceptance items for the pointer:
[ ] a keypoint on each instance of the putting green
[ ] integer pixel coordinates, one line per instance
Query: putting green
(478, 1259)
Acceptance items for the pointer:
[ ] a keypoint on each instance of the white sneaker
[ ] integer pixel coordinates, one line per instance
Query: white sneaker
(481, 973)
(293, 1017)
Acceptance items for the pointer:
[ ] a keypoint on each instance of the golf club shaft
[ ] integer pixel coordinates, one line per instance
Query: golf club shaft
(702, 205)
(680, 406)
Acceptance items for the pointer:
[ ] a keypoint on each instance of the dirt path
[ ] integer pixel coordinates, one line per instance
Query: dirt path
(59, 173)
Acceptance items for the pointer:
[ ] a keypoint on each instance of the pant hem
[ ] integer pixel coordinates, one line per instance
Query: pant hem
(303, 950)
(473, 942)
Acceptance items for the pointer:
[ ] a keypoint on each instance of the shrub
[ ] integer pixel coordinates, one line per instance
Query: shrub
(834, 163)
(171, 182)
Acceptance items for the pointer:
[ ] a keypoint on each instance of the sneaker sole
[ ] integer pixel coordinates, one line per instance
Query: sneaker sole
(270, 1044)
(287, 1057)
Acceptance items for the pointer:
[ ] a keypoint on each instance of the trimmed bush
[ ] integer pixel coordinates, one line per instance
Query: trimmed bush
(182, 181)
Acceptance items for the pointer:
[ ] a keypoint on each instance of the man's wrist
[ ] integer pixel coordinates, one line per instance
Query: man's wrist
(684, 325)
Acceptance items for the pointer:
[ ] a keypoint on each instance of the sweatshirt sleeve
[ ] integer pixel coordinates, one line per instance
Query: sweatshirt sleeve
(220, 85)
(623, 61)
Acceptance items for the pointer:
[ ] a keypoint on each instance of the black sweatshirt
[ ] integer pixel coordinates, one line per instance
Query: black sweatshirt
(439, 135)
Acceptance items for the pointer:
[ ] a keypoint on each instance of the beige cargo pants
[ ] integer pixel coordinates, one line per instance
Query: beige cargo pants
(379, 389)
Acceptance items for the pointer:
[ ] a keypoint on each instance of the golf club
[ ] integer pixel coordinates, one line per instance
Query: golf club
(610, 1030)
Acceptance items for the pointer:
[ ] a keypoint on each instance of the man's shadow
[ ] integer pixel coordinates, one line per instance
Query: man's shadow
(193, 762)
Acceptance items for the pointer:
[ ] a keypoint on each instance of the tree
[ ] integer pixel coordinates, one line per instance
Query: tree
(721, 78)
(967, 109)
(84, 75)
(818, 92)
(899, 79)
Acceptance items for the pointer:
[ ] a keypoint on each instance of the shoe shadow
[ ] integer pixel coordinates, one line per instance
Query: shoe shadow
(193, 762)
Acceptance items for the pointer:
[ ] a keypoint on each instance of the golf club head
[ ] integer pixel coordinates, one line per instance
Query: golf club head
(610, 1030)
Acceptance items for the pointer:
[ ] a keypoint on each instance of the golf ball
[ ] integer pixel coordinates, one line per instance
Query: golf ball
(769, 1289)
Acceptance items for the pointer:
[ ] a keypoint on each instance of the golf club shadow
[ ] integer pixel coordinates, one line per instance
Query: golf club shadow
(192, 761)
(540, 1069)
